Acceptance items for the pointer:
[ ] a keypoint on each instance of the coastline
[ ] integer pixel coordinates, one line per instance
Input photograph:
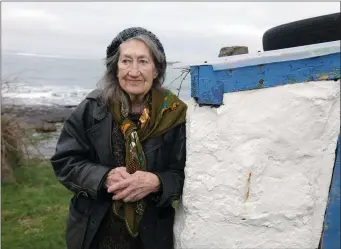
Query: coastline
(43, 122)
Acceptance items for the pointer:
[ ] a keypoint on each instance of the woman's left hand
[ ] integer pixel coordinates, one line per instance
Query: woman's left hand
(136, 187)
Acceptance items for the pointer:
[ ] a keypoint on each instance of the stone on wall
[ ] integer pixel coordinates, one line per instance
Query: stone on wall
(234, 50)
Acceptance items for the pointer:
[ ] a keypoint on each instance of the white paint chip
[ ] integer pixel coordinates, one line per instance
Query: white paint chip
(259, 168)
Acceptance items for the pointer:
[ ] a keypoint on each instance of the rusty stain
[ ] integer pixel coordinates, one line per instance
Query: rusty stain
(324, 77)
(247, 194)
(249, 178)
(310, 79)
(248, 187)
(260, 84)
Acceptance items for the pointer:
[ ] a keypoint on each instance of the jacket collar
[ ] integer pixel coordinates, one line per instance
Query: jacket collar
(100, 110)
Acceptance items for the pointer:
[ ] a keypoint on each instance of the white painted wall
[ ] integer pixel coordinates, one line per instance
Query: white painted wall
(283, 140)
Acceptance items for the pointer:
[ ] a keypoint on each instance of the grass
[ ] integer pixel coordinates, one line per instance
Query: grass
(34, 209)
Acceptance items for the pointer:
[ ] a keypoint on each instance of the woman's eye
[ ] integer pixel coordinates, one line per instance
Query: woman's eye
(144, 61)
(125, 61)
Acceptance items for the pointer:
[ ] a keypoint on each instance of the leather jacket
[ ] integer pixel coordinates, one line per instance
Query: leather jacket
(83, 158)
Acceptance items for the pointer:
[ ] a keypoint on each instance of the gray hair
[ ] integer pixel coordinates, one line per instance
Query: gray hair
(112, 91)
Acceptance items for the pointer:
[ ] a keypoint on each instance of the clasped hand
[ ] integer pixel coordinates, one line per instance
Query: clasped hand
(131, 187)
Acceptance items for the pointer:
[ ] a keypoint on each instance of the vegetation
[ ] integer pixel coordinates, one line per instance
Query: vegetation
(34, 208)
(34, 205)
(12, 146)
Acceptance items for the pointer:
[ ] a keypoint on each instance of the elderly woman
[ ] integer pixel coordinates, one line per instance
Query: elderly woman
(122, 152)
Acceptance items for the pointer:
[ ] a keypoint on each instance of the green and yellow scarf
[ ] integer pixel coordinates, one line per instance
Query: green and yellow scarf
(163, 112)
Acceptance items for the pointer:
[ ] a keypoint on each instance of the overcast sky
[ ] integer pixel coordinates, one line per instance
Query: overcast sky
(188, 31)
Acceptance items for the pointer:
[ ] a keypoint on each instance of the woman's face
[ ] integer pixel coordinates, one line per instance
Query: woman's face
(136, 68)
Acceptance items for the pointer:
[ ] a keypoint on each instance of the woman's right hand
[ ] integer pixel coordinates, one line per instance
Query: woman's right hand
(116, 175)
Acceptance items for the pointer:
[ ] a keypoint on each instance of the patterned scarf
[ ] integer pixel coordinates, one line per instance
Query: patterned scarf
(163, 112)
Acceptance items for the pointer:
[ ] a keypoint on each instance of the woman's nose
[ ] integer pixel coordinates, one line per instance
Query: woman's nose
(134, 72)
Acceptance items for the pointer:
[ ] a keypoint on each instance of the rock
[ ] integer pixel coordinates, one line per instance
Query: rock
(234, 50)
(44, 122)
(40, 118)
(54, 119)
(46, 127)
(69, 106)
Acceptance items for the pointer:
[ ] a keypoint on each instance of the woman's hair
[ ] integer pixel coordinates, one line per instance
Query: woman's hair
(112, 91)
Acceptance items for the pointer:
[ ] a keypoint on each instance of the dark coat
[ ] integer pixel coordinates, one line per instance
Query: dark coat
(83, 158)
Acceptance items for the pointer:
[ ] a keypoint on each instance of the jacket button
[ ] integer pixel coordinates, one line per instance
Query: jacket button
(83, 193)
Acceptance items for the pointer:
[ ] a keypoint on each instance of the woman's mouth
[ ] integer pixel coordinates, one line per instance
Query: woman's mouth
(135, 82)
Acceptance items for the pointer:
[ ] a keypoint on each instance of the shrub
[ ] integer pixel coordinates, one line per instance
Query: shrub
(12, 146)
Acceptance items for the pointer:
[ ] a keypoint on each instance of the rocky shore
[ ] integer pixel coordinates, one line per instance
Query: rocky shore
(40, 118)
(46, 123)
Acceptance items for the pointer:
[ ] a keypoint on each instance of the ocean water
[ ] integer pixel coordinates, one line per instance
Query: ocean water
(51, 80)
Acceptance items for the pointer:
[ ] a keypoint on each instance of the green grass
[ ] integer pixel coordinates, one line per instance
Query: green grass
(34, 209)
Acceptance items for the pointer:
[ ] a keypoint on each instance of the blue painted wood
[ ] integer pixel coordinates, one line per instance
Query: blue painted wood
(209, 93)
(194, 71)
(208, 86)
(331, 234)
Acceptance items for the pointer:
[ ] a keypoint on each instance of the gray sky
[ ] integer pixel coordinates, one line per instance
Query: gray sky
(188, 31)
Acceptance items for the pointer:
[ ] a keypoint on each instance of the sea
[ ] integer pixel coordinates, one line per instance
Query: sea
(33, 79)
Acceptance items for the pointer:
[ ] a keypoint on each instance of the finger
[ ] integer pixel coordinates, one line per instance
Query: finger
(124, 174)
(129, 198)
(117, 186)
(120, 185)
(108, 182)
(111, 172)
(132, 196)
(112, 179)
(137, 195)
(124, 169)
(141, 195)
(116, 178)
(122, 194)
(116, 170)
